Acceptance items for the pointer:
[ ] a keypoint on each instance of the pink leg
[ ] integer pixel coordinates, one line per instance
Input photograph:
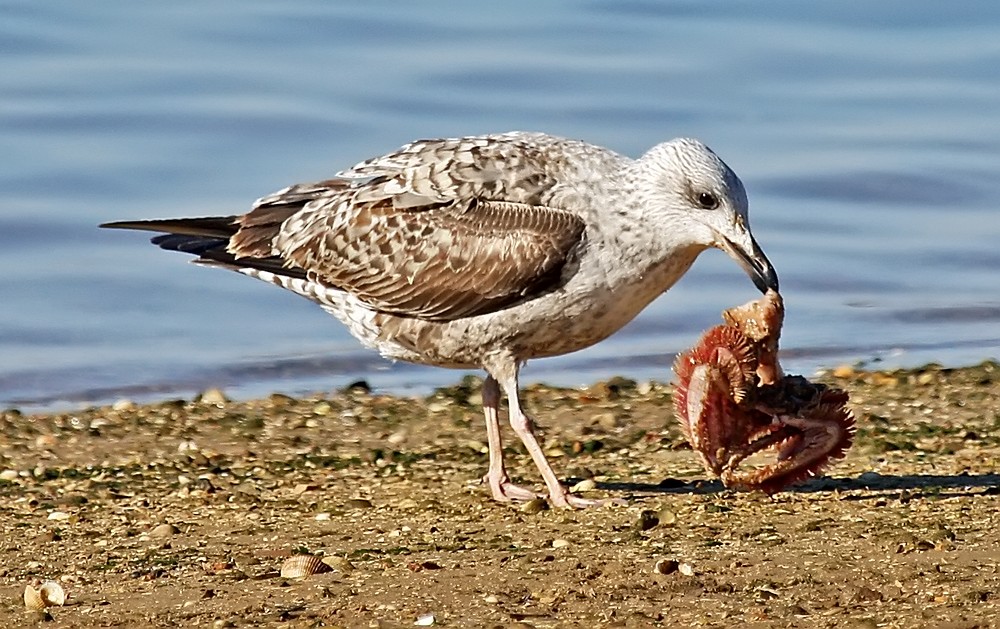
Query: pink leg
(525, 429)
(500, 485)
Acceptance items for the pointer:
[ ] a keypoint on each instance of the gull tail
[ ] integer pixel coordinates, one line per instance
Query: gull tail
(208, 238)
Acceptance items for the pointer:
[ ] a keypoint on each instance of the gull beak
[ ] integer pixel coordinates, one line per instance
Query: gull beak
(753, 261)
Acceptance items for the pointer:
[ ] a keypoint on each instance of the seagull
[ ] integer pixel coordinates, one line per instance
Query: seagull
(487, 251)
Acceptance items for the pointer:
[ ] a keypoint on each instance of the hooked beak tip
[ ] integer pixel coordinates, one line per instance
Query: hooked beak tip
(765, 279)
(755, 263)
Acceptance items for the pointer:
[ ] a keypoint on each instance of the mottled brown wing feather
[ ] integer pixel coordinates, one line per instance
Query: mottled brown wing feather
(517, 168)
(442, 263)
(440, 229)
(258, 228)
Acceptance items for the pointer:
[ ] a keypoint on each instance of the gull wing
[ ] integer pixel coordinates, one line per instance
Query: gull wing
(440, 229)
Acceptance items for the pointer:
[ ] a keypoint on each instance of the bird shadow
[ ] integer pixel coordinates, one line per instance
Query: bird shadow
(877, 485)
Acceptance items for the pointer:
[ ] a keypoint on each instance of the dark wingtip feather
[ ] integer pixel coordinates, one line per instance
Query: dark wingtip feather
(208, 238)
(196, 245)
(209, 226)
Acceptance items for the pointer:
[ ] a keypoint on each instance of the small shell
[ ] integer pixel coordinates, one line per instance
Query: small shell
(164, 530)
(48, 594)
(665, 566)
(302, 566)
(340, 564)
(586, 484)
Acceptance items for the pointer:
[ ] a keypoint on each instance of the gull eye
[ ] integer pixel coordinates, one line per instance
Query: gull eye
(707, 200)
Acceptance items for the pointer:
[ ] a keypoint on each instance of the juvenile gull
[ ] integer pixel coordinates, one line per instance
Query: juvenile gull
(487, 251)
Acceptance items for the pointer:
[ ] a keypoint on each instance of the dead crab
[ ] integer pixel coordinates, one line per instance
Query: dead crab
(733, 401)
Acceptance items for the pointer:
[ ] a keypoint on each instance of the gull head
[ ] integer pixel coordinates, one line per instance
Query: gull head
(686, 185)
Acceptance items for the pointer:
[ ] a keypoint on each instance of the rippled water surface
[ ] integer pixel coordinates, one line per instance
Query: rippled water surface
(867, 135)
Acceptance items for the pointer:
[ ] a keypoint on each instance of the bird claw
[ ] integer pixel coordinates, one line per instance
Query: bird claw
(733, 401)
(504, 490)
(572, 501)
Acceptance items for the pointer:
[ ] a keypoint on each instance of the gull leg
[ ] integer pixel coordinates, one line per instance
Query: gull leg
(500, 486)
(525, 429)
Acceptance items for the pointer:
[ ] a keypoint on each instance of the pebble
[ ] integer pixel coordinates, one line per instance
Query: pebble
(647, 520)
(885, 380)
(322, 408)
(164, 530)
(9, 475)
(123, 404)
(280, 399)
(665, 566)
(477, 446)
(340, 564)
(536, 505)
(302, 488)
(46, 537)
(213, 397)
(666, 517)
(358, 503)
(359, 387)
(560, 543)
(843, 371)
(607, 421)
(870, 477)
(425, 620)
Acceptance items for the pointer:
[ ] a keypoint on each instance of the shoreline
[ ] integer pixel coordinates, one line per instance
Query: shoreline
(248, 391)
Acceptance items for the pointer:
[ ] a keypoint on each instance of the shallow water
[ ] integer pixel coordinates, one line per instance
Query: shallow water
(866, 134)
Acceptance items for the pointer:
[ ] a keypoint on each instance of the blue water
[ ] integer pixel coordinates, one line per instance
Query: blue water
(867, 134)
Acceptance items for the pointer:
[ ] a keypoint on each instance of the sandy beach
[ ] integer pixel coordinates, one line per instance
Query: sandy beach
(181, 514)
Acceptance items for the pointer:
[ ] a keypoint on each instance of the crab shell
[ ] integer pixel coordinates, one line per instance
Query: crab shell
(733, 401)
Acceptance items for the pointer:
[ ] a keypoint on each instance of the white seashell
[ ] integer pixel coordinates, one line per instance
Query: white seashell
(586, 484)
(301, 566)
(48, 594)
